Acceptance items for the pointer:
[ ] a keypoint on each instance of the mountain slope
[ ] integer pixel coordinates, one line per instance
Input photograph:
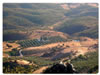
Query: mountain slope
(83, 21)
(28, 15)
(72, 19)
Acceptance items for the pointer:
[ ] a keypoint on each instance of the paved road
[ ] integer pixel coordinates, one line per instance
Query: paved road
(20, 52)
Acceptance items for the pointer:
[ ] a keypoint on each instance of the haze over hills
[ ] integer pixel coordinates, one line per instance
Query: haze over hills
(81, 18)
(32, 14)
(36, 36)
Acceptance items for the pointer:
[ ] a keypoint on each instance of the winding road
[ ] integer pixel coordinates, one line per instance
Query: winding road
(20, 52)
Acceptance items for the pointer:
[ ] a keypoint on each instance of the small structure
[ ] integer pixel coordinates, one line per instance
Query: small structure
(76, 40)
(39, 39)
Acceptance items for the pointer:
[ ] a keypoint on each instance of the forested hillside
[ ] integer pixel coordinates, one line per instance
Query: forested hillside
(28, 15)
(81, 18)
(38, 36)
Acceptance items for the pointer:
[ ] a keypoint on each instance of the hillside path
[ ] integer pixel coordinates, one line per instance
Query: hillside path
(40, 70)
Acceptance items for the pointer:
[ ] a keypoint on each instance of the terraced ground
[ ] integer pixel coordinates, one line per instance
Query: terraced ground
(37, 36)
(62, 49)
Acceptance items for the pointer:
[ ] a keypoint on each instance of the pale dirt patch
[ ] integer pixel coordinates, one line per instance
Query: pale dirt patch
(70, 43)
(38, 33)
(25, 62)
(68, 7)
(42, 47)
(74, 6)
(40, 70)
(6, 48)
(22, 62)
(93, 4)
(5, 55)
(65, 6)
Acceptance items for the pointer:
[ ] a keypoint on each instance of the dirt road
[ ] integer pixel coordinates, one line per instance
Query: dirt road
(40, 70)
